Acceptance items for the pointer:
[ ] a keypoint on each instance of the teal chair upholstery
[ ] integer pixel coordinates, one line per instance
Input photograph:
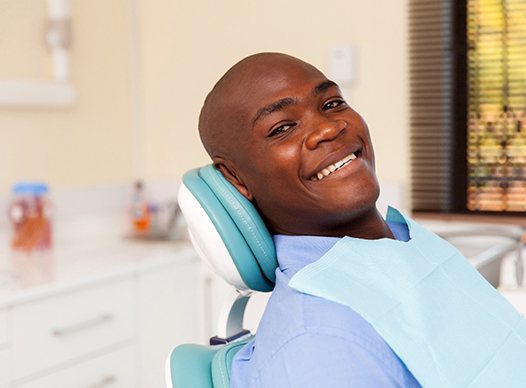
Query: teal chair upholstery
(200, 366)
(228, 233)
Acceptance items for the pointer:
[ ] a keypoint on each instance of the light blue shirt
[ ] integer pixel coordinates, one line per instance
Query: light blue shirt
(305, 341)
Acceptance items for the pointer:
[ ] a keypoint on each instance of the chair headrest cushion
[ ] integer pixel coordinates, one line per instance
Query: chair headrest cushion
(234, 232)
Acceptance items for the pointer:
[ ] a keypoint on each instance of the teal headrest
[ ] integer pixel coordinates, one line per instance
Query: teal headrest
(249, 245)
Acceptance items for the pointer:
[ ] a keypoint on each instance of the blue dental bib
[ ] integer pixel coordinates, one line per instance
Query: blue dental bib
(449, 326)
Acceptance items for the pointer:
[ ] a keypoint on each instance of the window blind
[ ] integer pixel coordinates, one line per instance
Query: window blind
(432, 67)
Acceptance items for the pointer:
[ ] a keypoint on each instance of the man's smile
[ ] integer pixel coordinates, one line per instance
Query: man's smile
(336, 166)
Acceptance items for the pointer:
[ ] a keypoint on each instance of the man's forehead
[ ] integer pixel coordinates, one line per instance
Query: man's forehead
(266, 81)
(247, 88)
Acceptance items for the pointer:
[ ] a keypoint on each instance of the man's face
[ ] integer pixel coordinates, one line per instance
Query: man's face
(303, 154)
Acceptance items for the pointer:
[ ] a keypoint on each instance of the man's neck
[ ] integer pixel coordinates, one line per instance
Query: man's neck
(370, 226)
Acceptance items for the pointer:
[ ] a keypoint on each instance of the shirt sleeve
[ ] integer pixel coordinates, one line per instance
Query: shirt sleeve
(321, 360)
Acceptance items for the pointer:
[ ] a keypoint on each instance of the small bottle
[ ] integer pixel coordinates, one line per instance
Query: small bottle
(30, 214)
(140, 211)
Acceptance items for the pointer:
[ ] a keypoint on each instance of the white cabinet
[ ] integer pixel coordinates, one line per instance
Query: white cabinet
(3, 327)
(70, 326)
(168, 310)
(4, 366)
(111, 329)
(4, 350)
(112, 370)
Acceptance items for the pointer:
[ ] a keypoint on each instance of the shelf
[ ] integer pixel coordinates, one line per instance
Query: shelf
(26, 93)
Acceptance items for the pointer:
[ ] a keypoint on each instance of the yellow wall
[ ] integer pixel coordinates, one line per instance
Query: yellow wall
(187, 47)
(22, 54)
(139, 117)
(89, 143)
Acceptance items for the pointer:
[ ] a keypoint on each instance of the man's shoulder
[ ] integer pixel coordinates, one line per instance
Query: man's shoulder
(317, 356)
(299, 334)
(294, 316)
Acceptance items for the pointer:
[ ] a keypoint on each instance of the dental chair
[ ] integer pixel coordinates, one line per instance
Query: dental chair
(228, 233)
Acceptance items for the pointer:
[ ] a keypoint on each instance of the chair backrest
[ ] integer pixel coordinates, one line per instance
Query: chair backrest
(200, 366)
(229, 234)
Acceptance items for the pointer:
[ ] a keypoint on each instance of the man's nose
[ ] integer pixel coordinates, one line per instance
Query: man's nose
(324, 130)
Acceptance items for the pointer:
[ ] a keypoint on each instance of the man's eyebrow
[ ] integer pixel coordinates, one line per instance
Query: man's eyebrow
(284, 102)
(324, 86)
(273, 107)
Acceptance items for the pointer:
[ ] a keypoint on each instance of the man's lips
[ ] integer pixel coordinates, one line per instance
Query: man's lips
(333, 167)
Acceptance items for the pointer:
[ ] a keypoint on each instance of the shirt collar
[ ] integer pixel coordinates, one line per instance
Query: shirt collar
(295, 252)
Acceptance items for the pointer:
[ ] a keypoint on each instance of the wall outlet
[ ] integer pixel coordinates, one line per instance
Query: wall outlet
(341, 64)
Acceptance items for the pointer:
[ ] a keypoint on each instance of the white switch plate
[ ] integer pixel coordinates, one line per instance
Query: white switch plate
(341, 64)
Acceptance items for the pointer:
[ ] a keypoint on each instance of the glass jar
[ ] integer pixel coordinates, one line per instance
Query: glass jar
(30, 214)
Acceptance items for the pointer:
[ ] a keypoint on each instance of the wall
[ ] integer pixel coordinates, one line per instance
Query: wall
(186, 48)
(138, 117)
(89, 143)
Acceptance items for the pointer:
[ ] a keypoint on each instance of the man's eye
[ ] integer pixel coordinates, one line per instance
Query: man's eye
(334, 104)
(281, 129)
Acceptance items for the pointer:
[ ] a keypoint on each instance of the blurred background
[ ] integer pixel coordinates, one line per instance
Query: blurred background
(99, 101)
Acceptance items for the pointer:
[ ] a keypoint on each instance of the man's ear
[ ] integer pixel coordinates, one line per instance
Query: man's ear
(230, 175)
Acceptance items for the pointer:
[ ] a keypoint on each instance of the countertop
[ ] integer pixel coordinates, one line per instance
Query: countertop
(84, 252)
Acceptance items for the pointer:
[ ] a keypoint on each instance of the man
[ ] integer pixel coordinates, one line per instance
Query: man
(283, 135)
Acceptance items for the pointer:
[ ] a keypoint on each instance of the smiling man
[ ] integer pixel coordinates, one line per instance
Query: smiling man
(283, 135)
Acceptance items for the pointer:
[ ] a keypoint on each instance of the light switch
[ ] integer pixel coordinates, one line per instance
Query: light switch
(341, 64)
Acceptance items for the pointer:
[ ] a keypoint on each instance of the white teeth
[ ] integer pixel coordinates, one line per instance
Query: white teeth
(339, 164)
(333, 167)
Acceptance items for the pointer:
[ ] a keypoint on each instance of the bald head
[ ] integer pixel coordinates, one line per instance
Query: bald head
(282, 134)
(224, 118)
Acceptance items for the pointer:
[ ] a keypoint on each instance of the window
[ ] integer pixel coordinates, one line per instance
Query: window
(468, 106)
